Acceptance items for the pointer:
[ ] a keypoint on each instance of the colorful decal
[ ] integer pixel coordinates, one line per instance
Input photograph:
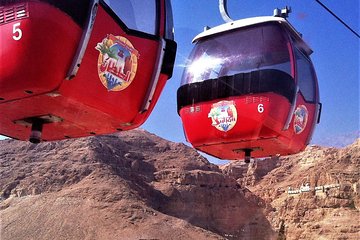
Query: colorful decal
(301, 118)
(117, 62)
(223, 115)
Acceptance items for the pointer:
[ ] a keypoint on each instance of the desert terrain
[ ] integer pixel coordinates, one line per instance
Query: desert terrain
(136, 185)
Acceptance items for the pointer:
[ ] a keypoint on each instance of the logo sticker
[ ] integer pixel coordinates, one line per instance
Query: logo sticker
(301, 118)
(223, 115)
(117, 62)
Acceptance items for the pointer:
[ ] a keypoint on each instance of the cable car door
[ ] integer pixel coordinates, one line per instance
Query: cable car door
(121, 59)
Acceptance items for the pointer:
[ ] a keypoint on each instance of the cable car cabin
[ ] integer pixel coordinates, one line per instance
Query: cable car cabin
(249, 88)
(76, 68)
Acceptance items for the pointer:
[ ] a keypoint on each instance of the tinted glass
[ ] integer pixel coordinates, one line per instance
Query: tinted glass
(305, 76)
(78, 10)
(169, 31)
(239, 51)
(138, 15)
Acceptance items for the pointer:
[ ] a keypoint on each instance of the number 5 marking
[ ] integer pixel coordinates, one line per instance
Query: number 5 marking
(17, 32)
(260, 108)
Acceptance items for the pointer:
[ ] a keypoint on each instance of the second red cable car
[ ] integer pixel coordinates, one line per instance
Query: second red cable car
(249, 89)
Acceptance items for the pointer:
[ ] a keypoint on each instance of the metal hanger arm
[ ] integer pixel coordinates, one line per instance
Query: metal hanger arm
(223, 11)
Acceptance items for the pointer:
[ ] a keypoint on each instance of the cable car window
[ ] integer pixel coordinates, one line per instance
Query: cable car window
(240, 51)
(138, 15)
(169, 31)
(305, 76)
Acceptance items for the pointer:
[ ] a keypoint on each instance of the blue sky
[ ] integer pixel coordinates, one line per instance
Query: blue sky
(335, 57)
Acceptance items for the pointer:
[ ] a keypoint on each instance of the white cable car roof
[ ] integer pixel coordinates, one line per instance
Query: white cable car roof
(254, 21)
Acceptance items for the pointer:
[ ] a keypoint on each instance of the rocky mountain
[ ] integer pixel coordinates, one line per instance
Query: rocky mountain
(312, 195)
(135, 185)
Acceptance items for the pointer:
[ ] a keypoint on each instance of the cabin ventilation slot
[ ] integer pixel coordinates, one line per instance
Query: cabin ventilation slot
(13, 13)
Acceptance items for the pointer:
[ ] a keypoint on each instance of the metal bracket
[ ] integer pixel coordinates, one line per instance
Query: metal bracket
(223, 11)
(247, 152)
(27, 122)
(284, 13)
(291, 111)
(318, 110)
(155, 77)
(36, 124)
(84, 41)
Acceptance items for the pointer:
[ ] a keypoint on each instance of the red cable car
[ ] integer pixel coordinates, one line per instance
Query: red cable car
(77, 68)
(249, 89)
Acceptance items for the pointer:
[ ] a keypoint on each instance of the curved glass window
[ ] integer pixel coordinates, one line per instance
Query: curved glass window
(169, 27)
(77, 10)
(305, 77)
(137, 15)
(240, 51)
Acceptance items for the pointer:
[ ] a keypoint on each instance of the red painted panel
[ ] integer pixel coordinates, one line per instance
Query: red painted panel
(37, 62)
(87, 88)
(254, 115)
(259, 126)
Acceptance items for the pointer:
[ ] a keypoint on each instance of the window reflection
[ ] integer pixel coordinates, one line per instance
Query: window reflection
(305, 77)
(240, 51)
(138, 15)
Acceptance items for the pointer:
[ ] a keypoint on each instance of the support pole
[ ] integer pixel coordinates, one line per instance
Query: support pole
(247, 155)
(223, 11)
(36, 130)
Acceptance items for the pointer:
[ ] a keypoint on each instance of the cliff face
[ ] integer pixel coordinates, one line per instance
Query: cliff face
(311, 195)
(132, 185)
(135, 185)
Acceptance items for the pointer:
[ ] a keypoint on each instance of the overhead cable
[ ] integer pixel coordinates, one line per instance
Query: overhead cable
(339, 19)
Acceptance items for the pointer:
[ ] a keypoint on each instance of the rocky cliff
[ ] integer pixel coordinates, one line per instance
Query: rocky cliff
(312, 195)
(135, 185)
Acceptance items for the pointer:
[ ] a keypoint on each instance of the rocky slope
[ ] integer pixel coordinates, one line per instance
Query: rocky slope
(311, 195)
(135, 185)
(132, 185)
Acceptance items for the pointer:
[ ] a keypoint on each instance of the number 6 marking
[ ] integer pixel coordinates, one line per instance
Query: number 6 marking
(260, 108)
(17, 32)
